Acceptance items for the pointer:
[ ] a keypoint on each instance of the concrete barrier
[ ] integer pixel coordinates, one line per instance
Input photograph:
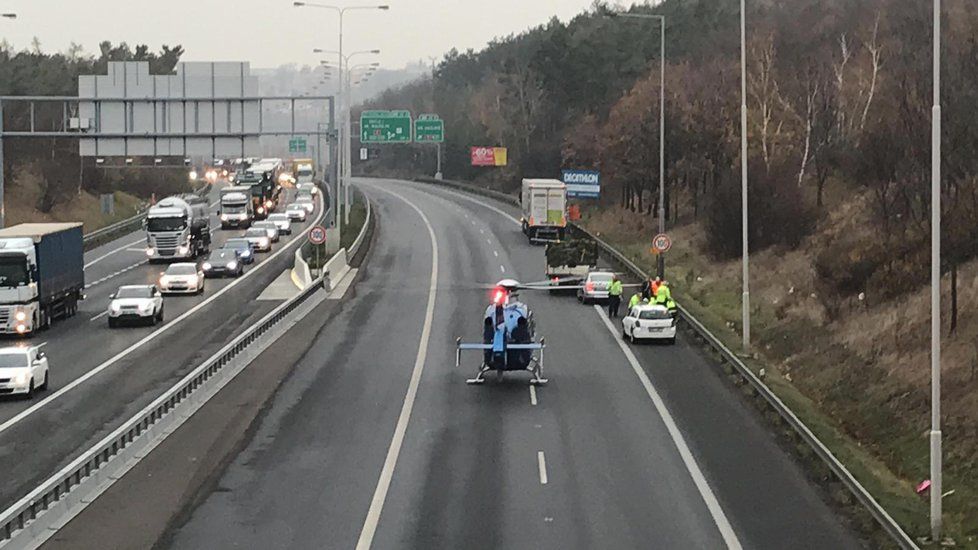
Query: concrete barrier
(301, 275)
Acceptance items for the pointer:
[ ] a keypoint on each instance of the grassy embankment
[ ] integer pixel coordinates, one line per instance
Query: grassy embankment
(860, 381)
(22, 197)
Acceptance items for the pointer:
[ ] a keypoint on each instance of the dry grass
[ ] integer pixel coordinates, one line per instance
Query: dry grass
(862, 377)
(23, 195)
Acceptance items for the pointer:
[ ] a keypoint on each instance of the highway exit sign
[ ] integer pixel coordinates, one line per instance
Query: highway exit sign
(385, 127)
(429, 129)
(297, 145)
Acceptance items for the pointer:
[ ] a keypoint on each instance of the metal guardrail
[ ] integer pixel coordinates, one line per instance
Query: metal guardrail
(31, 520)
(888, 524)
(109, 232)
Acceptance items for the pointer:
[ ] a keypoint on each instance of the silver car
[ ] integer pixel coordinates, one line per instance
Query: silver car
(270, 227)
(595, 287)
(282, 222)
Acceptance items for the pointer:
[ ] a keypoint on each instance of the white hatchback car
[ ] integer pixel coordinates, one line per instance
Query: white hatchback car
(306, 201)
(296, 212)
(649, 322)
(136, 303)
(23, 370)
(182, 278)
(270, 227)
(282, 222)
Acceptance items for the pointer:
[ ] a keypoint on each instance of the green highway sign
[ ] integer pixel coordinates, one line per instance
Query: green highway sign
(297, 145)
(385, 127)
(429, 129)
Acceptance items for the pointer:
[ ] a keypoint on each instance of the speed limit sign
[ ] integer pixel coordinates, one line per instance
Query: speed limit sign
(317, 235)
(661, 243)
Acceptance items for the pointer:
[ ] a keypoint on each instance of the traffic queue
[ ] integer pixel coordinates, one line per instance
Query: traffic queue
(177, 230)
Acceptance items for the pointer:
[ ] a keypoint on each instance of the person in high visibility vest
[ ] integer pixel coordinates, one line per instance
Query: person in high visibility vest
(663, 296)
(635, 300)
(614, 296)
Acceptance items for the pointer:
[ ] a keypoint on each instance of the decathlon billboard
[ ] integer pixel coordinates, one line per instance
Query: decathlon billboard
(582, 184)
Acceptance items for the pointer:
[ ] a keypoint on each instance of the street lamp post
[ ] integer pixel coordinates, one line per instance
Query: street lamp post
(935, 289)
(661, 263)
(343, 157)
(745, 258)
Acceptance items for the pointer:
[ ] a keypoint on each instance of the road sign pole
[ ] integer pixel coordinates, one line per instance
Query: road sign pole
(438, 170)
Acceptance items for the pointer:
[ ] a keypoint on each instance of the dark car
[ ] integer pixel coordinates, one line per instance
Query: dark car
(223, 262)
(243, 249)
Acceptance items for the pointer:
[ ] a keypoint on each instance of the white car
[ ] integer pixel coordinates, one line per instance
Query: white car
(282, 222)
(296, 212)
(270, 227)
(258, 239)
(136, 303)
(308, 186)
(23, 370)
(182, 278)
(306, 202)
(595, 287)
(649, 322)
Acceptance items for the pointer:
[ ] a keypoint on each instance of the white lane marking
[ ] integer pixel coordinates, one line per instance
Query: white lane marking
(719, 518)
(494, 253)
(104, 313)
(113, 275)
(387, 473)
(472, 200)
(148, 338)
(489, 241)
(483, 231)
(502, 268)
(111, 252)
(533, 395)
(542, 466)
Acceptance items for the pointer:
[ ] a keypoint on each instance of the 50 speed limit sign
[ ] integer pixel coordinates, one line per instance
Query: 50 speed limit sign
(317, 235)
(661, 243)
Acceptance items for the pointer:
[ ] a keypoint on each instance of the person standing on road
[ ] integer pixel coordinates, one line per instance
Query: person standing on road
(614, 296)
(649, 288)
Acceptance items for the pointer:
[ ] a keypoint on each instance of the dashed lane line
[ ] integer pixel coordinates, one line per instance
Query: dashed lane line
(533, 395)
(542, 467)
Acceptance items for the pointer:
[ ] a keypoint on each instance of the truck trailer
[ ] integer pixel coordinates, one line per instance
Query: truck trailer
(544, 203)
(178, 227)
(42, 275)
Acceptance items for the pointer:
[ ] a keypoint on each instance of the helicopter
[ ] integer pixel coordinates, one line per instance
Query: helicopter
(508, 337)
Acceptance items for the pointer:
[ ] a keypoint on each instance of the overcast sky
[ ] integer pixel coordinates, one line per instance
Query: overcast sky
(272, 32)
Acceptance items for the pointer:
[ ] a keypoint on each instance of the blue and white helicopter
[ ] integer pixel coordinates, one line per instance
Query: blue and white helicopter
(508, 337)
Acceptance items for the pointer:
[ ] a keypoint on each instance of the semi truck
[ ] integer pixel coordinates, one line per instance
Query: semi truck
(42, 275)
(265, 190)
(544, 203)
(236, 207)
(178, 227)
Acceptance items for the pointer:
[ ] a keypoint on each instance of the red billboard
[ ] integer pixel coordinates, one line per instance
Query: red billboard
(488, 156)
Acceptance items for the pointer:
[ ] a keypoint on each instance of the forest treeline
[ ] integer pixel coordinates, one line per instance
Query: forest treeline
(838, 95)
(54, 162)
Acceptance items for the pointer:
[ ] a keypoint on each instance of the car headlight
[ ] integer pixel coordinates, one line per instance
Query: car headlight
(150, 251)
(261, 210)
(21, 328)
(116, 308)
(246, 254)
(184, 249)
(263, 242)
(207, 266)
(224, 217)
(232, 265)
(193, 175)
(146, 307)
(268, 204)
(21, 378)
(20, 315)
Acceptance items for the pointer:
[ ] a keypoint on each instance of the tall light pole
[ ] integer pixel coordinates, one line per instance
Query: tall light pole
(745, 257)
(935, 289)
(661, 267)
(343, 157)
(344, 61)
(3, 209)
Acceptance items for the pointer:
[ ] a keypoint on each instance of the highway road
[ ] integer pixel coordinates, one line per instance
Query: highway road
(101, 376)
(377, 440)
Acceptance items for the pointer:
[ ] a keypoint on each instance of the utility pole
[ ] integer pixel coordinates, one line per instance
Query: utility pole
(935, 290)
(745, 258)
